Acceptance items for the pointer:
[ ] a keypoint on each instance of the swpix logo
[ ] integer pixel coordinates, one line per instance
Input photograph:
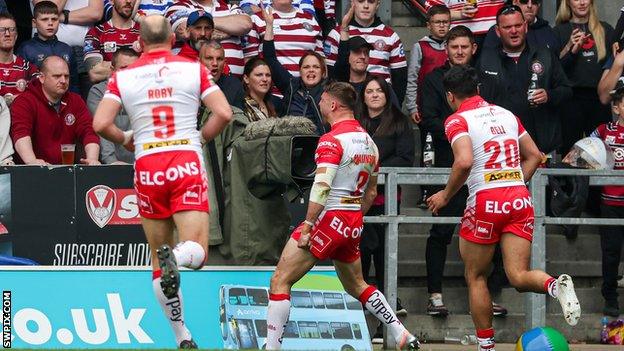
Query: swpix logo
(33, 327)
(6, 319)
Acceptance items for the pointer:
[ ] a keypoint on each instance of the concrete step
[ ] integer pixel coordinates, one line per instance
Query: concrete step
(401, 16)
(415, 300)
(409, 35)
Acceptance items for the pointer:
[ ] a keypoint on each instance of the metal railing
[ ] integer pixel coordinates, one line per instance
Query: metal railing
(535, 304)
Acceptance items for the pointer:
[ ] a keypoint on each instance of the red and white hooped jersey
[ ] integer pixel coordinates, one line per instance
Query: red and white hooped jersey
(353, 153)
(494, 132)
(161, 93)
(481, 22)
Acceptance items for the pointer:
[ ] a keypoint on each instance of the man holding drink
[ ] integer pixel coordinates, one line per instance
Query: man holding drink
(47, 120)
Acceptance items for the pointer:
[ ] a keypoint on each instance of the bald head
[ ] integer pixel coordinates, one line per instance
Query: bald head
(155, 30)
(54, 78)
(53, 63)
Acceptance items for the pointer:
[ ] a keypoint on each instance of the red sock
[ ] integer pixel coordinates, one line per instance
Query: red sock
(485, 333)
(550, 287)
(366, 294)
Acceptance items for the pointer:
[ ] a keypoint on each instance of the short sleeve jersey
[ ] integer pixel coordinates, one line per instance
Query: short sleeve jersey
(613, 135)
(494, 133)
(481, 22)
(353, 153)
(162, 107)
(104, 39)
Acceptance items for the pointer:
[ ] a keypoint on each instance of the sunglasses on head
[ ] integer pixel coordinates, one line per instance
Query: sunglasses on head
(508, 9)
(535, 2)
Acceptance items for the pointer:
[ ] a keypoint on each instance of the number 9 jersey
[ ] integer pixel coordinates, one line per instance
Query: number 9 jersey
(161, 93)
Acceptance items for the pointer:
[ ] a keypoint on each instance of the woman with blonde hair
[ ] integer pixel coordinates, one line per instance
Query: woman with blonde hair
(586, 45)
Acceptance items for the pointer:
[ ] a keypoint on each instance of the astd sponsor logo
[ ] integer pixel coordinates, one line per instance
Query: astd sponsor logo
(6, 319)
(108, 206)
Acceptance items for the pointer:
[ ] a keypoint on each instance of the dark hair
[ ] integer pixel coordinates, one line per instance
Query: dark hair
(249, 67)
(617, 96)
(123, 51)
(437, 10)
(393, 121)
(319, 57)
(45, 8)
(7, 15)
(460, 32)
(507, 10)
(343, 92)
(462, 81)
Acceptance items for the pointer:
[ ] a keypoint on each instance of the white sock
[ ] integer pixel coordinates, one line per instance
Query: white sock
(552, 287)
(173, 309)
(486, 344)
(376, 303)
(277, 317)
(189, 254)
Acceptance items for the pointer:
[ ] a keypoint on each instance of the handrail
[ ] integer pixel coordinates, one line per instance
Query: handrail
(535, 304)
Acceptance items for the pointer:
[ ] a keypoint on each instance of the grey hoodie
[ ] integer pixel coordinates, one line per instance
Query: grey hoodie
(415, 64)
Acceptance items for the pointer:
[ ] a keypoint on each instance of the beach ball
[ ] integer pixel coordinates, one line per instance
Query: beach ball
(542, 339)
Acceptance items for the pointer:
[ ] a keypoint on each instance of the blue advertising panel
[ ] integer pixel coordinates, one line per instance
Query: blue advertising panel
(82, 308)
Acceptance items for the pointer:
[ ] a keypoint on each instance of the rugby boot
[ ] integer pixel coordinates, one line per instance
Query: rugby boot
(490, 346)
(188, 344)
(408, 342)
(568, 300)
(170, 276)
(498, 310)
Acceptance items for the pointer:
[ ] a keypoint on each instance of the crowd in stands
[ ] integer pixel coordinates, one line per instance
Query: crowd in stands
(273, 58)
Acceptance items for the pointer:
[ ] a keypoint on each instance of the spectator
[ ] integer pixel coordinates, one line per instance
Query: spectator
(428, 53)
(103, 40)
(75, 20)
(111, 153)
(230, 23)
(251, 7)
(511, 69)
(301, 94)
(586, 44)
(212, 55)
(392, 133)
(259, 102)
(611, 75)
(460, 47)
(47, 115)
(16, 72)
(45, 43)
(199, 27)
(295, 32)
(141, 8)
(6, 145)
(479, 18)
(538, 34)
(388, 57)
(325, 13)
(612, 206)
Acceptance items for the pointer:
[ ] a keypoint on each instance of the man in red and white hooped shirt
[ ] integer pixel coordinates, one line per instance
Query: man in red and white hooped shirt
(295, 33)
(478, 15)
(495, 156)
(170, 178)
(15, 72)
(387, 59)
(103, 40)
(230, 23)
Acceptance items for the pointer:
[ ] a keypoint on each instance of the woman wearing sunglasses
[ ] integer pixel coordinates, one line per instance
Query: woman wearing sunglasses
(585, 43)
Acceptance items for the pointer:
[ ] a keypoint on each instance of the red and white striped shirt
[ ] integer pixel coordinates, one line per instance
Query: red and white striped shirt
(232, 45)
(483, 20)
(613, 135)
(15, 76)
(330, 8)
(103, 40)
(296, 33)
(388, 52)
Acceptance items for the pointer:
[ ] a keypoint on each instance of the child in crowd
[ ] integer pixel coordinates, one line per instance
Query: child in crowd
(45, 43)
(427, 54)
(612, 206)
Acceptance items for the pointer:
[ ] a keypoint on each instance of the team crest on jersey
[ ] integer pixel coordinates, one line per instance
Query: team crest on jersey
(610, 139)
(380, 45)
(100, 204)
(308, 27)
(618, 154)
(70, 119)
(122, 36)
(88, 45)
(5, 72)
(537, 67)
(110, 46)
(40, 57)
(21, 85)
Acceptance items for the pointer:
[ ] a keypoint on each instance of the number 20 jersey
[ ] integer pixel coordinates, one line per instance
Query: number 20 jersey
(494, 132)
(161, 93)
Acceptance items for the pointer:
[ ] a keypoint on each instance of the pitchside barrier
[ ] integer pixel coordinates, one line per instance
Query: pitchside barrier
(535, 304)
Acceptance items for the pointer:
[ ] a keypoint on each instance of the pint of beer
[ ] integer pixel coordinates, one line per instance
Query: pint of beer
(67, 153)
(472, 2)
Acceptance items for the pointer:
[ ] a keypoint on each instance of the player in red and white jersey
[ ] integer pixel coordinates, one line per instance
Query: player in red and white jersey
(479, 18)
(295, 33)
(387, 59)
(169, 179)
(496, 156)
(344, 188)
(230, 23)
